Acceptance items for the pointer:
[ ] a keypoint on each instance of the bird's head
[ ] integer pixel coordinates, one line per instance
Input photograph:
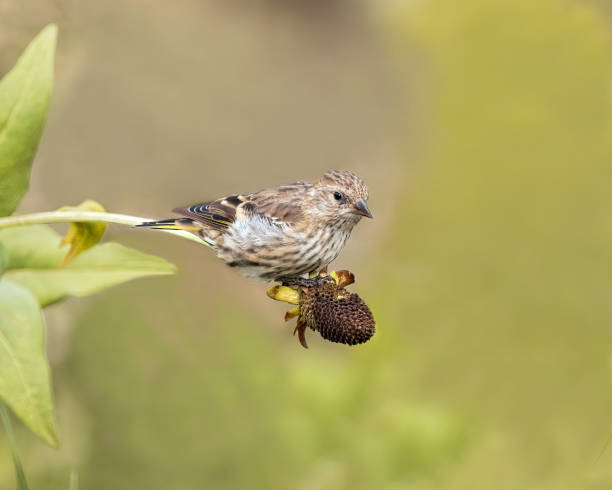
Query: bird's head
(340, 197)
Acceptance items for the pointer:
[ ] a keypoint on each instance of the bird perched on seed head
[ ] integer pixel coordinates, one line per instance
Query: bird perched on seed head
(281, 232)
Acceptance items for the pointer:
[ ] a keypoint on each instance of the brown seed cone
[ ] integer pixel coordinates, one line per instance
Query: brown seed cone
(339, 316)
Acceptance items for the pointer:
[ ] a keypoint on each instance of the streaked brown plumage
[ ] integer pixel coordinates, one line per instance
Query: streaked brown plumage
(279, 232)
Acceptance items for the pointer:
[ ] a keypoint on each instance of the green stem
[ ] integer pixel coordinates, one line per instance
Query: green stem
(22, 484)
(84, 217)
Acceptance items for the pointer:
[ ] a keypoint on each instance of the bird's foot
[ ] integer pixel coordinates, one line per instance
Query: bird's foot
(306, 282)
(342, 278)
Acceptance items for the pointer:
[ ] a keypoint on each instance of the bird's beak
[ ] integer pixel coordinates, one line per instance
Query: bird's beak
(361, 208)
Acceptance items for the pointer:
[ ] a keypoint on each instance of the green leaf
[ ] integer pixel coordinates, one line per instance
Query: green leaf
(22, 483)
(32, 247)
(34, 262)
(82, 236)
(24, 98)
(25, 384)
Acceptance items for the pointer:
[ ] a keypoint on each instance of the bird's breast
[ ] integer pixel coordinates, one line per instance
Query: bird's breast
(331, 245)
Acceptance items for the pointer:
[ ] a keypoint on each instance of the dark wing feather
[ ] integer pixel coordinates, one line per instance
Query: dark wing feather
(218, 214)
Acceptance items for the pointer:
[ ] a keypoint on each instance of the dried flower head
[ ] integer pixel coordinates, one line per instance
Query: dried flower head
(325, 306)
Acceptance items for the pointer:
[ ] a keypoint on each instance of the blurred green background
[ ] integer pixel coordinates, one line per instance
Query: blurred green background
(484, 132)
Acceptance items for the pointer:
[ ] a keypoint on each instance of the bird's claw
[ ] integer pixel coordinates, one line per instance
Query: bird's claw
(304, 282)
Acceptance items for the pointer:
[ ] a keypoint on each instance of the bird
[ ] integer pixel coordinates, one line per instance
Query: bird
(280, 233)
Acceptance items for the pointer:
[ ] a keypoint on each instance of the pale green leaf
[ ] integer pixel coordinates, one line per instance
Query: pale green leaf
(34, 260)
(32, 247)
(24, 98)
(22, 483)
(25, 383)
(82, 236)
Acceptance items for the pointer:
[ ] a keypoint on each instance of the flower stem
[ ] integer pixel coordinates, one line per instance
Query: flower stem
(84, 217)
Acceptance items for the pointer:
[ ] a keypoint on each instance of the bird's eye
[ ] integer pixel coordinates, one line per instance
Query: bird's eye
(338, 196)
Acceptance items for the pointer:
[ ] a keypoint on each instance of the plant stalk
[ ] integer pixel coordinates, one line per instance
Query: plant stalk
(60, 216)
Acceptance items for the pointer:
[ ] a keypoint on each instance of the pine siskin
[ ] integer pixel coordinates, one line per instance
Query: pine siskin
(280, 232)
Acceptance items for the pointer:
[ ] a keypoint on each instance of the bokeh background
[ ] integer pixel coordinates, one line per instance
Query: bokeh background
(484, 132)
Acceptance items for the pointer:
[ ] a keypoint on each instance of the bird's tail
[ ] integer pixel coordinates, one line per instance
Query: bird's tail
(172, 224)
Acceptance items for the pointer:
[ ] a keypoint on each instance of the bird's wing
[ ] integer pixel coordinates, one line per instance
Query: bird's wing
(219, 214)
(282, 203)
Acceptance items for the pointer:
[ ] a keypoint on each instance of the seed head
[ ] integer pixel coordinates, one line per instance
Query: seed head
(325, 306)
(339, 316)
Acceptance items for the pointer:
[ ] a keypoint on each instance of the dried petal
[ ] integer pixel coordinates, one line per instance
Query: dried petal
(292, 313)
(284, 293)
(344, 278)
